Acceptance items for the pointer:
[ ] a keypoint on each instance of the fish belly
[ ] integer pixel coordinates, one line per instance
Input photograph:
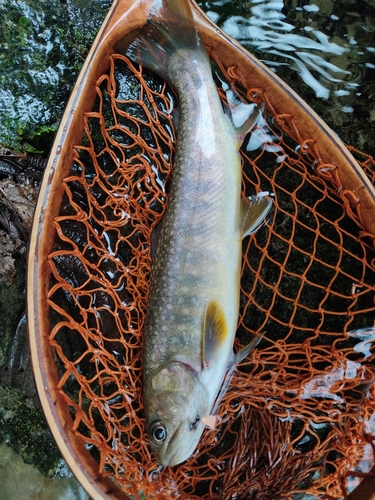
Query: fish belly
(198, 254)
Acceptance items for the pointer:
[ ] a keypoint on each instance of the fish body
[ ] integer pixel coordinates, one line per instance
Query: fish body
(193, 302)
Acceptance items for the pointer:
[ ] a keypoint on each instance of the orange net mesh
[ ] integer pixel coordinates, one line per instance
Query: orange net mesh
(298, 418)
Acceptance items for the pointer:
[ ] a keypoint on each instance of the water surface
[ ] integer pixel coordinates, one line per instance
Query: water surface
(324, 49)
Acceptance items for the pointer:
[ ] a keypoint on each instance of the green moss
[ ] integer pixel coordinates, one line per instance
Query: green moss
(42, 48)
(24, 429)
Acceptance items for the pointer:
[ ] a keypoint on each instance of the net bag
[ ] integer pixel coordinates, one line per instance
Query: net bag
(298, 419)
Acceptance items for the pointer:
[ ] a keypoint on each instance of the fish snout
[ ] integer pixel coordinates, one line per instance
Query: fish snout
(182, 444)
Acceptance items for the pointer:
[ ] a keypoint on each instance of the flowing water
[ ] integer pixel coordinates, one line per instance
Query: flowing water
(324, 49)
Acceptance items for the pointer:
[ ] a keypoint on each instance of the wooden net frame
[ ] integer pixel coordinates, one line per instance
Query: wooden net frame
(299, 414)
(298, 419)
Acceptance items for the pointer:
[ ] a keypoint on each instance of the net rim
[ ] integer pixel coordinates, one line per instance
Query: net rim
(132, 15)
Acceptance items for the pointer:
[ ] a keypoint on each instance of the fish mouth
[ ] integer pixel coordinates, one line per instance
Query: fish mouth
(175, 451)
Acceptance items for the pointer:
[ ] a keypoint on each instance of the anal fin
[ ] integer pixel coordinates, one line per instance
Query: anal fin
(253, 212)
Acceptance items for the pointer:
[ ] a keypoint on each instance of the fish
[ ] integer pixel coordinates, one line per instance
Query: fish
(193, 302)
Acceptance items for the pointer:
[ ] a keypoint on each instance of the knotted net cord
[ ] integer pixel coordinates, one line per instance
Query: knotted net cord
(299, 415)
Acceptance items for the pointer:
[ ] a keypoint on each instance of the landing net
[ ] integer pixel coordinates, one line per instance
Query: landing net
(298, 418)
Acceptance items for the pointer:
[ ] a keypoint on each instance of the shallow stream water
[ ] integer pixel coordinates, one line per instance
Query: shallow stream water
(324, 49)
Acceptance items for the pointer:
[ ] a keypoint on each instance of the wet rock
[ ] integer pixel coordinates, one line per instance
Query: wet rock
(17, 370)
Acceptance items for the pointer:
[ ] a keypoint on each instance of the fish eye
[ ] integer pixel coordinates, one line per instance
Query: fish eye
(157, 432)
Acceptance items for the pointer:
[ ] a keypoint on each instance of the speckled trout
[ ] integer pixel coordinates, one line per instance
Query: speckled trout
(193, 302)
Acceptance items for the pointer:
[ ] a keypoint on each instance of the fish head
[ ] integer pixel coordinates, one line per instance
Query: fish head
(175, 402)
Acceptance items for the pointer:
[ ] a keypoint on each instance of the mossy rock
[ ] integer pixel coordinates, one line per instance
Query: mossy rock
(24, 429)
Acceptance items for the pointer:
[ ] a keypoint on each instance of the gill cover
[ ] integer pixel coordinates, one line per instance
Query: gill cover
(174, 402)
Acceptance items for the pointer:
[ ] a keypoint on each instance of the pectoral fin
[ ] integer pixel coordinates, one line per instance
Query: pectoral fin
(215, 330)
(245, 351)
(155, 235)
(253, 212)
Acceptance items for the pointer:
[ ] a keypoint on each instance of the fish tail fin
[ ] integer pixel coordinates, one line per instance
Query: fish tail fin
(170, 29)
